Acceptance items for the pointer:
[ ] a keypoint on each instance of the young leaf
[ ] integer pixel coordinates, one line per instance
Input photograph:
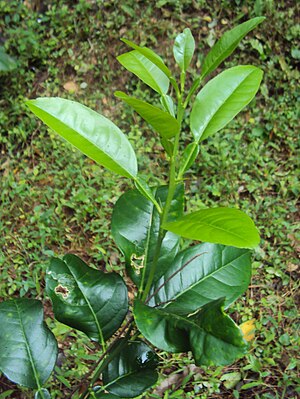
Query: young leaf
(222, 98)
(132, 371)
(7, 63)
(93, 134)
(28, 349)
(227, 226)
(145, 70)
(211, 335)
(227, 44)
(135, 228)
(188, 157)
(183, 49)
(150, 55)
(165, 124)
(201, 274)
(86, 299)
(42, 394)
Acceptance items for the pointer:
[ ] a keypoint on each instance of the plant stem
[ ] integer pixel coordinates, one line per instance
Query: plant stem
(171, 191)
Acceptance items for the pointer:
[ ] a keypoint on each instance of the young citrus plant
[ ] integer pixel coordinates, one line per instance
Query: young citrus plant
(181, 295)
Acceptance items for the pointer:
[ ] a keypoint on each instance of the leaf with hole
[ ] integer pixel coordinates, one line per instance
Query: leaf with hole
(162, 122)
(28, 349)
(135, 229)
(146, 70)
(132, 371)
(227, 44)
(201, 274)
(227, 226)
(86, 299)
(93, 134)
(222, 98)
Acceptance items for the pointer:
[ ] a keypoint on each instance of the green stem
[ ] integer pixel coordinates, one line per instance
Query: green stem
(171, 191)
(194, 87)
(183, 167)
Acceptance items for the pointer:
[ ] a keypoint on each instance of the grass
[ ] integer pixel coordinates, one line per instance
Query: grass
(53, 200)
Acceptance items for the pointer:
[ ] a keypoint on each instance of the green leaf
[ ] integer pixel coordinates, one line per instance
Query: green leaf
(7, 63)
(146, 191)
(210, 334)
(150, 55)
(184, 48)
(227, 44)
(226, 226)
(222, 98)
(201, 274)
(145, 70)
(93, 134)
(28, 349)
(168, 104)
(135, 228)
(131, 371)
(164, 123)
(42, 394)
(189, 155)
(86, 299)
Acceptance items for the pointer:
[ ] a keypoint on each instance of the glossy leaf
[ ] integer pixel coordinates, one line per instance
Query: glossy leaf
(227, 44)
(161, 121)
(222, 99)
(146, 191)
(93, 134)
(131, 371)
(150, 55)
(28, 349)
(168, 104)
(42, 394)
(184, 47)
(145, 70)
(7, 63)
(210, 334)
(188, 157)
(226, 226)
(86, 299)
(201, 274)
(135, 228)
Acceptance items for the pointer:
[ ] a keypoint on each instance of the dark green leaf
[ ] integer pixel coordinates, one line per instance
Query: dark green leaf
(226, 226)
(150, 55)
(145, 70)
(184, 48)
(131, 371)
(93, 134)
(7, 63)
(227, 44)
(210, 334)
(202, 274)
(135, 228)
(146, 191)
(86, 299)
(222, 98)
(99, 394)
(28, 349)
(161, 121)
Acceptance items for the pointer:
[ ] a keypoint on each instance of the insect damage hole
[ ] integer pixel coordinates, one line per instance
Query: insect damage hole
(63, 291)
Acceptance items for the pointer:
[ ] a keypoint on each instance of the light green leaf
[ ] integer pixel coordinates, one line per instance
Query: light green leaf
(132, 371)
(184, 48)
(164, 123)
(227, 44)
(150, 55)
(145, 70)
(86, 299)
(210, 334)
(28, 349)
(42, 394)
(189, 155)
(227, 226)
(201, 274)
(7, 63)
(135, 227)
(222, 99)
(93, 134)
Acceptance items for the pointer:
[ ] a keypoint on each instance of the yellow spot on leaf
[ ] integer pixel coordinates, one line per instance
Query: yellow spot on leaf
(248, 330)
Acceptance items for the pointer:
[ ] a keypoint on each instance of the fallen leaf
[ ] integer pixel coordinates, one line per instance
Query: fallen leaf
(248, 330)
(291, 267)
(71, 87)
